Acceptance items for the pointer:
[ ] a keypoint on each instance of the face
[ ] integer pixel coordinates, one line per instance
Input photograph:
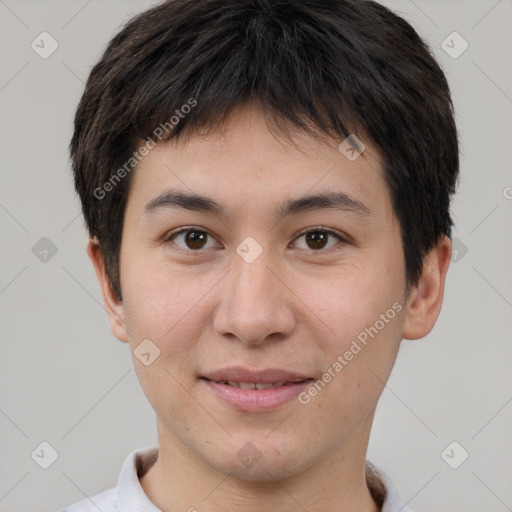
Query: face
(261, 288)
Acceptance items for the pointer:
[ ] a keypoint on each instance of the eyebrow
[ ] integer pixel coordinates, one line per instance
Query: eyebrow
(172, 199)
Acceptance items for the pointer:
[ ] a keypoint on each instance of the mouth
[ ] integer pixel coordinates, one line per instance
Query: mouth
(255, 391)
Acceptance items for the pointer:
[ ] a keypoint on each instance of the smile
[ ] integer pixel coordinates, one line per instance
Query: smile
(255, 397)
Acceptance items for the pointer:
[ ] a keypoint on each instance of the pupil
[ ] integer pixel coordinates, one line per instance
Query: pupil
(195, 237)
(317, 238)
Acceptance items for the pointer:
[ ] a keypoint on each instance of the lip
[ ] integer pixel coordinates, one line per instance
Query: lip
(255, 400)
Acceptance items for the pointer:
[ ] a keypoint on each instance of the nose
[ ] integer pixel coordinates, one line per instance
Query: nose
(255, 305)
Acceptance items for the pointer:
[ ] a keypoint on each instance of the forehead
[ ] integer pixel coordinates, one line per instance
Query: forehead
(246, 166)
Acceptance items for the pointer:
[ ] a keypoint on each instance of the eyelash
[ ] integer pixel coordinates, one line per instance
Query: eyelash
(316, 229)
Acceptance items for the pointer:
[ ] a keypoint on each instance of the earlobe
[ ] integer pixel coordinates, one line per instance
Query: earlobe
(425, 300)
(113, 306)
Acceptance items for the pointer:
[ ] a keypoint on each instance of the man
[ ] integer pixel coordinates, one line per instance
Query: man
(266, 186)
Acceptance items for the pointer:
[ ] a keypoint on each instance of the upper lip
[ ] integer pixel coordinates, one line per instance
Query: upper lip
(240, 374)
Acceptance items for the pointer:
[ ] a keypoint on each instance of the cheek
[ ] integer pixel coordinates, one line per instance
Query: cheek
(349, 303)
(160, 301)
(363, 361)
(367, 327)
(365, 317)
(162, 310)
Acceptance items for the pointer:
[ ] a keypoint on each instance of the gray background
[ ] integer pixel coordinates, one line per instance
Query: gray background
(66, 380)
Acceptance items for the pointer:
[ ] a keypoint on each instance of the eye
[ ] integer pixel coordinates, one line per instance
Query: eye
(192, 238)
(317, 238)
(195, 239)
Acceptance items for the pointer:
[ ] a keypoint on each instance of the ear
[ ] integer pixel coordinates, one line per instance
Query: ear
(113, 306)
(425, 300)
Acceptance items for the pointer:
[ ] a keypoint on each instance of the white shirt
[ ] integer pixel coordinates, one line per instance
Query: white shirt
(129, 496)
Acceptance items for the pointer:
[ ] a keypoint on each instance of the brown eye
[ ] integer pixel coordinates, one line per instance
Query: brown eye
(318, 239)
(195, 239)
(191, 239)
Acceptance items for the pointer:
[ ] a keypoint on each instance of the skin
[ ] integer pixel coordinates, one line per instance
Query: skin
(298, 306)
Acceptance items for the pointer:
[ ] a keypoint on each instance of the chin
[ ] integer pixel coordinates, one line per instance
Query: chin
(259, 459)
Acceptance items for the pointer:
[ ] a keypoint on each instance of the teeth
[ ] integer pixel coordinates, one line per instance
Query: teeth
(246, 385)
(264, 385)
(253, 385)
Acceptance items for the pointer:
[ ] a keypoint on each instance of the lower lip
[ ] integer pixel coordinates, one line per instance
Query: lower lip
(256, 400)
